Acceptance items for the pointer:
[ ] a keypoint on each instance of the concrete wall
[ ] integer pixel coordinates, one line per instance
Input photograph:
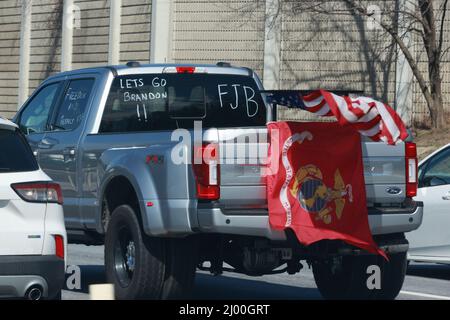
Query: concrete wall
(91, 39)
(208, 31)
(314, 51)
(136, 29)
(10, 17)
(335, 52)
(45, 58)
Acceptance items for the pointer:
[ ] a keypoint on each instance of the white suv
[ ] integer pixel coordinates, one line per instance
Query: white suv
(33, 239)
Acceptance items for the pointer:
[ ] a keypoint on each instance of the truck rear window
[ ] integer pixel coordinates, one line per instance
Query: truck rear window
(169, 101)
(15, 155)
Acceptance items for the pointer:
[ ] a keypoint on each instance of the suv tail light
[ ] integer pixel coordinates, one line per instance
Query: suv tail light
(59, 246)
(43, 192)
(411, 169)
(207, 171)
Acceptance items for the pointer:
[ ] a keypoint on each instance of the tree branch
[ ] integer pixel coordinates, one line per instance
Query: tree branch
(414, 16)
(441, 32)
(412, 63)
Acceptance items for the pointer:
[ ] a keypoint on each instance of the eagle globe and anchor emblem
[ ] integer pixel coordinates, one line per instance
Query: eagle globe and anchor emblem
(315, 197)
(309, 188)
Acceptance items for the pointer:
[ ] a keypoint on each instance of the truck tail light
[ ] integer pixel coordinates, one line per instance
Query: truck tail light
(411, 169)
(43, 192)
(59, 246)
(207, 171)
(184, 69)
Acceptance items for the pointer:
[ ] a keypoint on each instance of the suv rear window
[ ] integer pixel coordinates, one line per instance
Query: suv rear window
(15, 155)
(169, 101)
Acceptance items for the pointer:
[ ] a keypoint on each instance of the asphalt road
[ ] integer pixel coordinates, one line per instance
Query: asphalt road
(423, 282)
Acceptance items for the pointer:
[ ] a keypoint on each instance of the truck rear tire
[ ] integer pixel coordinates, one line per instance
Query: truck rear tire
(394, 272)
(347, 278)
(142, 267)
(133, 262)
(181, 265)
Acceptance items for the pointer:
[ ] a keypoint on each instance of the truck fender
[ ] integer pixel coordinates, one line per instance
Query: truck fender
(156, 180)
(126, 165)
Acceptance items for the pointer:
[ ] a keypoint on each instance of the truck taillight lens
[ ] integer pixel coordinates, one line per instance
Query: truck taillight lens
(43, 192)
(207, 171)
(184, 69)
(411, 169)
(59, 246)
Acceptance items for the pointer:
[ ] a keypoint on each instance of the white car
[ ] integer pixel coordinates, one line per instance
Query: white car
(33, 239)
(431, 242)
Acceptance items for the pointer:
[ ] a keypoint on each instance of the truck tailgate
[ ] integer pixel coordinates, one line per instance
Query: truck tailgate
(243, 152)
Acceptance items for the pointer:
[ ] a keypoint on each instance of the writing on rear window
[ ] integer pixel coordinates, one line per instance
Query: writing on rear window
(251, 105)
(152, 102)
(156, 82)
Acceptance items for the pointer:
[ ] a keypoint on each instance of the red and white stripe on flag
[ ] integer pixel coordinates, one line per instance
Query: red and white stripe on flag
(370, 117)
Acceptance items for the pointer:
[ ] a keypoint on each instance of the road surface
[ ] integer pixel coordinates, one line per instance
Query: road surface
(424, 281)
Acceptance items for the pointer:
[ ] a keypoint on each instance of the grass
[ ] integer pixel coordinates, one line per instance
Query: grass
(429, 140)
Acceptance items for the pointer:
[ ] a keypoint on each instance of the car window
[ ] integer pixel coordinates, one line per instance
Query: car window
(73, 107)
(438, 170)
(169, 101)
(33, 118)
(17, 155)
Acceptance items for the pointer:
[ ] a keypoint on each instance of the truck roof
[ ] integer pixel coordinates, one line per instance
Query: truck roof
(5, 124)
(133, 67)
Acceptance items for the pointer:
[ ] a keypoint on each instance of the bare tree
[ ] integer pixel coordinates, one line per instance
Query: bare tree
(425, 18)
(429, 24)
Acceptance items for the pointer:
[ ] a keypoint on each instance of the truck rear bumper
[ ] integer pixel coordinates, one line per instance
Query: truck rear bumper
(214, 220)
(396, 222)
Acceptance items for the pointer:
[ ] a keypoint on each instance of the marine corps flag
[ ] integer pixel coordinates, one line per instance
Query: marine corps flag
(315, 183)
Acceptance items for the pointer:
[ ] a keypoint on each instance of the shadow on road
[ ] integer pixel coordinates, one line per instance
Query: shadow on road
(210, 287)
(90, 274)
(435, 271)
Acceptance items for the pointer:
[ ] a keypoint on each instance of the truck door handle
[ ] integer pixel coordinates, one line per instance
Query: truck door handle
(69, 152)
(446, 196)
(43, 145)
(47, 143)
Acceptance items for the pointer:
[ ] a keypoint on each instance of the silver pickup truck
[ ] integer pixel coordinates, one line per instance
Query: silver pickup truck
(121, 142)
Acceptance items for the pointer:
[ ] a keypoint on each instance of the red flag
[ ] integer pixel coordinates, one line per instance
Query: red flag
(315, 183)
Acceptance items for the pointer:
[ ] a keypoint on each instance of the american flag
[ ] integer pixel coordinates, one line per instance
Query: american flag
(287, 98)
(370, 117)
